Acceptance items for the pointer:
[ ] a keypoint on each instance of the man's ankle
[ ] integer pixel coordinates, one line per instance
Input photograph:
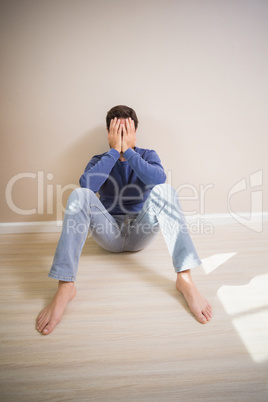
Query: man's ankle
(63, 283)
(184, 274)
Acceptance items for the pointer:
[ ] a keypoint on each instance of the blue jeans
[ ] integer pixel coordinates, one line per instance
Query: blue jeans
(85, 214)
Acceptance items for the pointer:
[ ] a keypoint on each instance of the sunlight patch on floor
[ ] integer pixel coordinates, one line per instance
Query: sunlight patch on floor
(211, 263)
(248, 305)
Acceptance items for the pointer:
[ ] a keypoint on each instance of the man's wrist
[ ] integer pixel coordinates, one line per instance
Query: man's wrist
(115, 153)
(128, 152)
(125, 149)
(116, 148)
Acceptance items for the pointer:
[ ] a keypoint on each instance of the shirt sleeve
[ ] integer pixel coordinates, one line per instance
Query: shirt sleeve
(98, 170)
(149, 170)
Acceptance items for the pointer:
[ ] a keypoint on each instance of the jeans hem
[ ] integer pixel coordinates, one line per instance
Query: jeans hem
(62, 278)
(196, 264)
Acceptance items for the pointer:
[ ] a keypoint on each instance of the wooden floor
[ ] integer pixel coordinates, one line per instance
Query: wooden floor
(128, 335)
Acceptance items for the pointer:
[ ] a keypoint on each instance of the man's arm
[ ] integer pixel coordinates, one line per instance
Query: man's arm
(98, 170)
(149, 171)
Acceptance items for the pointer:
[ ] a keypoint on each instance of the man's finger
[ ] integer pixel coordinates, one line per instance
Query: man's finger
(115, 121)
(132, 124)
(111, 125)
(128, 125)
(117, 125)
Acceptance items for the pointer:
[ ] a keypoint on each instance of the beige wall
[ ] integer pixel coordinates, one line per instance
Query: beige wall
(195, 71)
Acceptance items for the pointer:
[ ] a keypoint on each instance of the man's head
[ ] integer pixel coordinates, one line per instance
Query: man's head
(123, 112)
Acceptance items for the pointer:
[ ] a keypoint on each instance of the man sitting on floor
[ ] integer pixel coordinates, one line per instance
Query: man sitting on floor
(134, 205)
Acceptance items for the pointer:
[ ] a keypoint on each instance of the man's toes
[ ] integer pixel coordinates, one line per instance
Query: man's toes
(209, 311)
(41, 316)
(206, 314)
(203, 319)
(39, 319)
(200, 316)
(49, 327)
(46, 330)
(44, 320)
(41, 325)
(39, 322)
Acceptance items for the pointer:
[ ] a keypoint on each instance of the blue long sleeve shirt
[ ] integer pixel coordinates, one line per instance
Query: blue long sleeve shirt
(123, 186)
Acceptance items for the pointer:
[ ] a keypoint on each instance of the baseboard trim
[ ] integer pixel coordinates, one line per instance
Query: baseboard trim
(55, 226)
(31, 227)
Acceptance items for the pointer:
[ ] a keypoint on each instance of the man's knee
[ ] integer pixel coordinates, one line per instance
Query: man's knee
(79, 199)
(165, 195)
(163, 191)
(163, 187)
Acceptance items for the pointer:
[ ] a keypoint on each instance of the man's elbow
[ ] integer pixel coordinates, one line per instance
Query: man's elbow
(162, 178)
(85, 182)
(82, 182)
(159, 179)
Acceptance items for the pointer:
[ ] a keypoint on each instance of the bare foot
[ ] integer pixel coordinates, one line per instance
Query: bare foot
(52, 313)
(198, 305)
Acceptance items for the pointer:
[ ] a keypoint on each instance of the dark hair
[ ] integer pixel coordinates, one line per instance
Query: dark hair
(121, 111)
